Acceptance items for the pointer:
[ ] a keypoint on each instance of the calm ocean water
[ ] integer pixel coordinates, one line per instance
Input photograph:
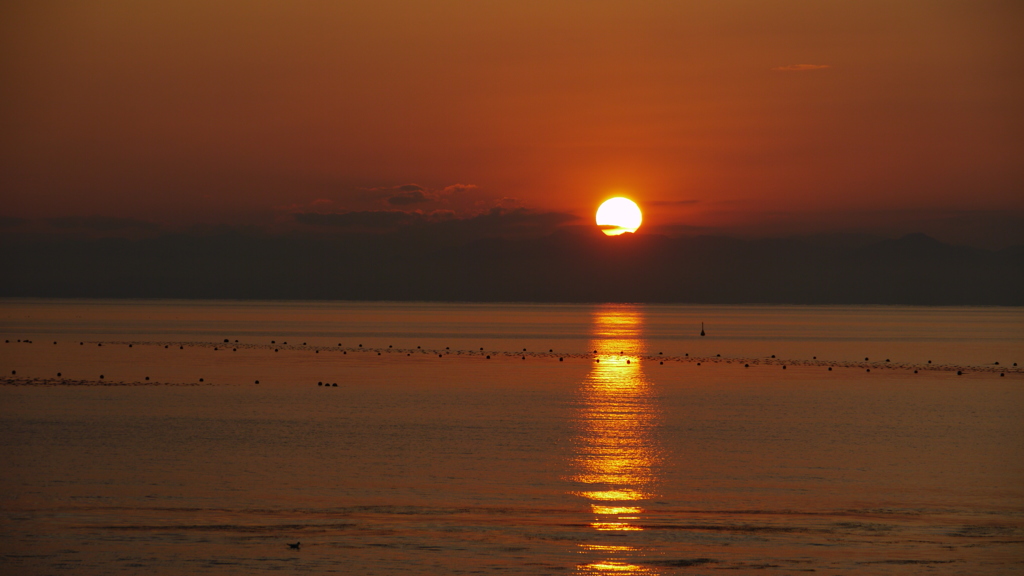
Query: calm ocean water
(620, 441)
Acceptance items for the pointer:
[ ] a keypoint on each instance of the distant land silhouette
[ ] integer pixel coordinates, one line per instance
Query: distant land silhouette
(569, 265)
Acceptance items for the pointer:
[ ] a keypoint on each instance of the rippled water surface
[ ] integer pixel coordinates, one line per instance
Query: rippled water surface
(620, 441)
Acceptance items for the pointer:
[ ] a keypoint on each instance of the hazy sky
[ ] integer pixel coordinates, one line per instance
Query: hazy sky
(747, 116)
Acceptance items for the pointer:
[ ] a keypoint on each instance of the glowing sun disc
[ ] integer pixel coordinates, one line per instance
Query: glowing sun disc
(619, 215)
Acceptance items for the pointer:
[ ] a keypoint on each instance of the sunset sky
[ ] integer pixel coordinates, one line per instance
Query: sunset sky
(738, 117)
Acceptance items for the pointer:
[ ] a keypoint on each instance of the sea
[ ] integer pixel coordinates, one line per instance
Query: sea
(165, 437)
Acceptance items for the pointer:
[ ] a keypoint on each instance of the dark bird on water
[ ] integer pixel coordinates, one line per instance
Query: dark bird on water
(295, 546)
(701, 328)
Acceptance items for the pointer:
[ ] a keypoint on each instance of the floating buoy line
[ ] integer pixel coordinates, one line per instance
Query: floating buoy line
(12, 378)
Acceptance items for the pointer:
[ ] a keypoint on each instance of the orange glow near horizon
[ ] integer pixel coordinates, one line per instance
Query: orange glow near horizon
(680, 100)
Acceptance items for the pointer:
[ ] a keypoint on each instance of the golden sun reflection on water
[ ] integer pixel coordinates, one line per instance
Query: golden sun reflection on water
(618, 567)
(615, 509)
(615, 459)
(607, 547)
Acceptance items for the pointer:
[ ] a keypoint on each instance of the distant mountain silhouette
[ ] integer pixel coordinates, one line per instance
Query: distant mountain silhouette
(571, 265)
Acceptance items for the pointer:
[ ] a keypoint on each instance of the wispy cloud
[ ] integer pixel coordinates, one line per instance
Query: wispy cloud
(410, 188)
(494, 222)
(456, 188)
(801, 67)
(364, 219)
(409, 194)
(408, 198)
(399, 188)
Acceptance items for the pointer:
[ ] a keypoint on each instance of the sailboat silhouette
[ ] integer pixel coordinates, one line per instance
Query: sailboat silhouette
(701, 328)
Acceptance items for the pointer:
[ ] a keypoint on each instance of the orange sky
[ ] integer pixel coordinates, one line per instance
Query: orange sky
(741, 116)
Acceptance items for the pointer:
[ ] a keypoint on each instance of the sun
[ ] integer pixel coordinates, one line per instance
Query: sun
(619, 215)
